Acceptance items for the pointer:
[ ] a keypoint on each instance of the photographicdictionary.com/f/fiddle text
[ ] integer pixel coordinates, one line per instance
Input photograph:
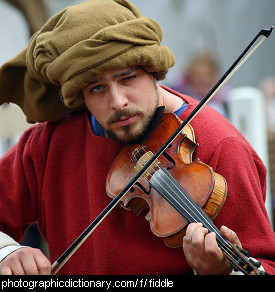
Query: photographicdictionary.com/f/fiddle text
(44, 283)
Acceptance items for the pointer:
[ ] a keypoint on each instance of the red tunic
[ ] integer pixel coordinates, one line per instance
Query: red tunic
(56, 175)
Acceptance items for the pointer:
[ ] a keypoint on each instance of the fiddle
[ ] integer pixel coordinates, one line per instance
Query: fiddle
(236, 256)
(175, 189)
(207, 188)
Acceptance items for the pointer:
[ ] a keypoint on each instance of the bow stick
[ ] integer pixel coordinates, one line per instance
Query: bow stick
(60, 262)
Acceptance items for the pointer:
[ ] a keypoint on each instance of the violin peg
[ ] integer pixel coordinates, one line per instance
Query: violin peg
(256, 263)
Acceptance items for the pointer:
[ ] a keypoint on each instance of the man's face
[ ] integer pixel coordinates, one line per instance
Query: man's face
(123, 101)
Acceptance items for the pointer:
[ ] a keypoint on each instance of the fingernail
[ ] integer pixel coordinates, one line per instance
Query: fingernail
(226, 230)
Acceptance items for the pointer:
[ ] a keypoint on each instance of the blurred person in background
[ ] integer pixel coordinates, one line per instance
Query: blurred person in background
(200, 76)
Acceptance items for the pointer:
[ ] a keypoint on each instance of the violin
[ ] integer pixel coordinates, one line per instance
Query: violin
(175, 189)
(161, 177)
(175, 170)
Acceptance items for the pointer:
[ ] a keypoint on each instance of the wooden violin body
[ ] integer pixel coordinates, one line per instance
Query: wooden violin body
(207, 188)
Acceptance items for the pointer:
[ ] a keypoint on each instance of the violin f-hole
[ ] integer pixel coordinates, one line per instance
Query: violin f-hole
(146, 192)
(170, 159)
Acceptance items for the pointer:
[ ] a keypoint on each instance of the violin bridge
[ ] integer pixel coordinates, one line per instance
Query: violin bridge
(142, 160)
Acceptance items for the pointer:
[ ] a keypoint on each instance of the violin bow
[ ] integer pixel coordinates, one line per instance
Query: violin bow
(61, 261)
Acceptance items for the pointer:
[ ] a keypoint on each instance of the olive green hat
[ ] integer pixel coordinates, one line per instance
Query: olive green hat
(74, 46)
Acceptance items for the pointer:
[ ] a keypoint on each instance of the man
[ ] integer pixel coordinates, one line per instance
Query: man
(110, 60)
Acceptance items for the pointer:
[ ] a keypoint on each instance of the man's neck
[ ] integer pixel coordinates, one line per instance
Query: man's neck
(171, 101)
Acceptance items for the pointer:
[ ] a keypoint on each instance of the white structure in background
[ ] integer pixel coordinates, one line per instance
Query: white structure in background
(12, 124)
(247, 114)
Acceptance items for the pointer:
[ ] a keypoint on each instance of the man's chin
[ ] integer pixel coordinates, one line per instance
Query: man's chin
(134, 133)
(128, 136)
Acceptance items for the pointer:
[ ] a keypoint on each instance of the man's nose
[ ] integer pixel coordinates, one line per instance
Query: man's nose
(118, 99)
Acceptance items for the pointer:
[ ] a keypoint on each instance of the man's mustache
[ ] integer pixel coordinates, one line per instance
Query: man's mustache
(124, 113)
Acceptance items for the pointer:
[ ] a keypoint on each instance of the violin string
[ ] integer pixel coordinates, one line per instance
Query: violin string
(199, 217)
(154, 165)
(224, 245)
(202, 219)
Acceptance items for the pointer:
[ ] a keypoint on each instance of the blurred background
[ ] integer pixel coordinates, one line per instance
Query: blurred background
(206, 36)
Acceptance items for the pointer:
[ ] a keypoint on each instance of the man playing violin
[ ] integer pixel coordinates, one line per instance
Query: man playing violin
(89, 78)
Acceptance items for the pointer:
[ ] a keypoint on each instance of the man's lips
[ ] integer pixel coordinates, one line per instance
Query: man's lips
(124, 121)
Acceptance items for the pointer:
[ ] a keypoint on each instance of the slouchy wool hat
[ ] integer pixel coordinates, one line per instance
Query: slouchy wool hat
(73, 47)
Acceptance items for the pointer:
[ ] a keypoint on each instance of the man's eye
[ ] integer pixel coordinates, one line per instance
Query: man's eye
(96, 88)
(129, 77)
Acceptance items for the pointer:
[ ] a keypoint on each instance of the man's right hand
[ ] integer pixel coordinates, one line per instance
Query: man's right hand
(25, 261)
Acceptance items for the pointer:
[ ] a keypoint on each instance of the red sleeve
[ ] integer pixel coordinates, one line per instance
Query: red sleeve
(244, 209)
(18, 187)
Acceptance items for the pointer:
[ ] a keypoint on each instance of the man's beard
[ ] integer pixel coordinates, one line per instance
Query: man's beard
(132, 136)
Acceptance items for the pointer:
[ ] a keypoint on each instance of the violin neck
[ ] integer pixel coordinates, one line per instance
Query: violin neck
(163, 182)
